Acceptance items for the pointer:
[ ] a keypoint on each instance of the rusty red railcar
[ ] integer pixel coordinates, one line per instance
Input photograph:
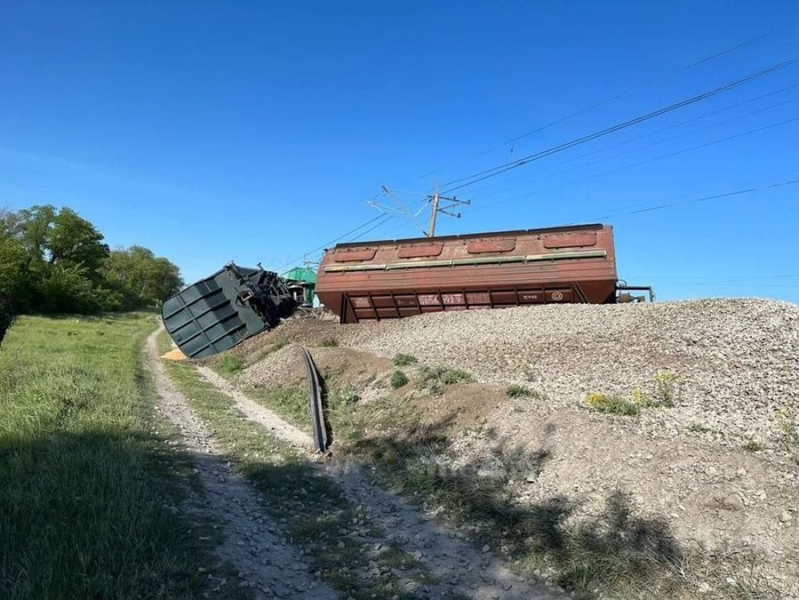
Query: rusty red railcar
(390, 279)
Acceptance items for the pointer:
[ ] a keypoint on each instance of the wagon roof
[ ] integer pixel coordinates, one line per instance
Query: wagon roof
(468, 236)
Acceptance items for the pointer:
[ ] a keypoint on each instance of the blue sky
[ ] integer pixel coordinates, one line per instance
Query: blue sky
(253, 131)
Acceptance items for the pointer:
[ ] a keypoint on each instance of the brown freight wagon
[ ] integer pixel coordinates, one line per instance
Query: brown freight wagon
(399, 278)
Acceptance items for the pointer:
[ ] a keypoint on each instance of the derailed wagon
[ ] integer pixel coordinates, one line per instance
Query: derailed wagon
(216, 313)
(391, 279)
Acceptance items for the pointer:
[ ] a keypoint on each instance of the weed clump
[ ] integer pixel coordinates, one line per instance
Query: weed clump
(398, 379)
(614, 405)
(329, 343)
(436, 377)
(668, 386)
(753, 446)
(228, 365)
(345, 396)
(790, 435)
(403, 360)
(666, 393)
(520, 391)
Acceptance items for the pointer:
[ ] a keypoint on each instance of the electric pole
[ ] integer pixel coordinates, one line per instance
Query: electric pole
(437, 203)
(431, 231)
(437, 207)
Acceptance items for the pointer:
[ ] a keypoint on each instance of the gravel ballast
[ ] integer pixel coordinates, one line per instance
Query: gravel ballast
(737, 359)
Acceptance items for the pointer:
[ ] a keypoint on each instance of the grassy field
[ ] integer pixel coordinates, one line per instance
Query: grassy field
(87, 488)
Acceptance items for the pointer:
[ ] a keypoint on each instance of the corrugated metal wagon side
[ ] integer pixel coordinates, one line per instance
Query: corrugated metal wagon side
(215, 313)
(397, 278)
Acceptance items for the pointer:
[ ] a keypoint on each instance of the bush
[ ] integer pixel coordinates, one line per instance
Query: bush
(403, 360)
(68, 290)
(613, 405)
(398, 379)
(520, 391)
(328, 343)
(54, 261)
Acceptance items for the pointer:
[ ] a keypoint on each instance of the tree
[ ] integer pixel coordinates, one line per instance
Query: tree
(53, 260)
(140, 277)
(73, 241)
(14, 279)
(13, 288)
(12, 266)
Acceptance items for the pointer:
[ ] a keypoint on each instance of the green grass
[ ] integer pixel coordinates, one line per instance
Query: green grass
(311, 506)
(403, 360)
(436, 377)
(290, 402)
(790, 434)
(520, 391)
(228, 365)
(88, 490)
(398, 379)
(753, 446)
(328, 343)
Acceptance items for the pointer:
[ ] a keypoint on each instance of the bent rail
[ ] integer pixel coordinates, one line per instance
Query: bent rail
(317, 409)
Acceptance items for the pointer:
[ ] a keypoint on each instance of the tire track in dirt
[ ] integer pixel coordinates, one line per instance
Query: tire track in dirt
(459, 568)
(251, 543)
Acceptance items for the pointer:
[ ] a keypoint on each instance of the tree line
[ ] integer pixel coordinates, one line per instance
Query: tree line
(54, 261)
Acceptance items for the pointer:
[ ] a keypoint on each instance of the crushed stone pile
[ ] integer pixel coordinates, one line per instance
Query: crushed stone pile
(736, 361)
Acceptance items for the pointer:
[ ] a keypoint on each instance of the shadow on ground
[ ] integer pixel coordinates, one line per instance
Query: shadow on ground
(614, 548)
(93, 515)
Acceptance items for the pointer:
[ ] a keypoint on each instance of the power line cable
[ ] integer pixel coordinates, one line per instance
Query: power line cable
(650, 145)
(360, 235)
(661, 157)
(320, 251)
(333, 241)
(568, 117)
(593, 107)
(713, 197)
(494, 171)
(492, 188)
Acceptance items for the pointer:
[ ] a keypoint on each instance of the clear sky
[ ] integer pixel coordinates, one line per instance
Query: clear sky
(255, 131)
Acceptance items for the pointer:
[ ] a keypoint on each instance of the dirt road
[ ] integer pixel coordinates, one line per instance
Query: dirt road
(252, 544)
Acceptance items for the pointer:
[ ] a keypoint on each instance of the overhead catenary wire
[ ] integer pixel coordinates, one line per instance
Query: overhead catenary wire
(619, 96)
(385, 218)
(493, 189)
(333, 241)
(712, 193)
(650, 145)
(382, 219)
(714, 197)
(643, 162)
(316, 254)
(462, 182)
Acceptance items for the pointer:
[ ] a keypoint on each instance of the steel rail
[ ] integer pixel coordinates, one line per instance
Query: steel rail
(317, 409)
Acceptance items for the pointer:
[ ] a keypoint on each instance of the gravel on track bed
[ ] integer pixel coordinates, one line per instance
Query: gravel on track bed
(738, 359)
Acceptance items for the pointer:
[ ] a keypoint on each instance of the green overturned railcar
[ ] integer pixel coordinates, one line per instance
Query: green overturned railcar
(216, 313)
